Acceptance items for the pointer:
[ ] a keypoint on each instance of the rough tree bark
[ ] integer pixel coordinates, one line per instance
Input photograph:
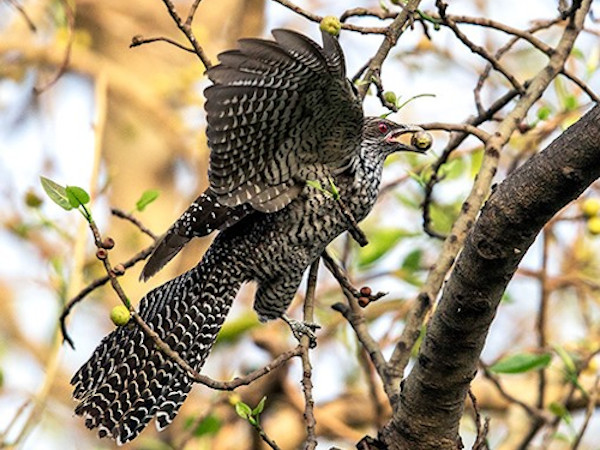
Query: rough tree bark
(433, 395)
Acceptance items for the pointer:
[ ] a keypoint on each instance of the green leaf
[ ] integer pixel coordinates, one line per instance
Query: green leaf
(578, 54)
(243, 410)
(522, 362)
(418, 177)
(334, 190)
(315, 184)
(380, 242)
(443, 216)
(562, 437)
(412, 262)
(236, 328)
(476, 160)
(147, 197)
(592, 62)
(259, 408)
(571, 103)
(453, 169)
(56, 193)
(77, 196)
(543, 113)
(566, 359)
(210, 425)
(558, 409)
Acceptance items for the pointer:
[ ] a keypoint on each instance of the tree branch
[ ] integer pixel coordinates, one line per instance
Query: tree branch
(483, 182)
(433, 396)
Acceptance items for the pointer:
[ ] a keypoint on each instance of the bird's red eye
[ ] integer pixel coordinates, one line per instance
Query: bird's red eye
(383, 127)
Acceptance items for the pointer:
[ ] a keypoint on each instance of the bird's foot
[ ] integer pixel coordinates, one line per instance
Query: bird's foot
(300, 329)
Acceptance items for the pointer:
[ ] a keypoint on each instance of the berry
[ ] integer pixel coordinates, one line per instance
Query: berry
(590, 207)
(331, 25)
(120, 315)
(422, 140)
(108, 243)
(593, 225)
(390, 97)
(365, 291)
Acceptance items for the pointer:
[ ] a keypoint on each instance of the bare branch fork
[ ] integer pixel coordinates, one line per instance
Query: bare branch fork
(186, 28)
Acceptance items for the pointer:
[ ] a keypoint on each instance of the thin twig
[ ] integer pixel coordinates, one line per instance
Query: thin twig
(381, 92)
(203, 379)
(136, 41)
(455, 140)
(186, 29)
(591, 406)
(135, 221)
(353, 228)
(549, 51)
(352, 313)
(362, 12)
(192, 12)
(24, 14)
(447, 20)
(556, 420)
(582, 84)
(482, 428)
(309, 403)
(92, 287)
(392, 34)
(542, 317)
(70, 14)
(316, 18)
(270, 442)
(466, 128)
(531, 411)
(13, 421)
(344, 282)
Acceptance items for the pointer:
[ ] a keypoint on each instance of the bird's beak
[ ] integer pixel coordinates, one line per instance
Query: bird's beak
(401, 137)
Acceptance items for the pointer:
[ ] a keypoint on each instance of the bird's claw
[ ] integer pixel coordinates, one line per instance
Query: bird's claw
(300, 329)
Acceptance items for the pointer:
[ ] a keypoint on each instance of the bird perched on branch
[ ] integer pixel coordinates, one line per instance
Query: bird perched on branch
(285, 128)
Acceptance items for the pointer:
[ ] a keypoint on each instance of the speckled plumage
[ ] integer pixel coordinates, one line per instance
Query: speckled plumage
(279, 113)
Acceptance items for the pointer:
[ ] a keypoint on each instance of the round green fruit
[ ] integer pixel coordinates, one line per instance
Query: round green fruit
(422, 140)
(120, 315)
(331, 25)
(590, 207)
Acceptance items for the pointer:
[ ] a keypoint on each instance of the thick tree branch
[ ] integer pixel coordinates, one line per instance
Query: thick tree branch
(432, 400)
(483, 182)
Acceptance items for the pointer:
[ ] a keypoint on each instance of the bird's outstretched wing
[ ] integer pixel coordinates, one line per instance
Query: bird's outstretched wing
(276, 109)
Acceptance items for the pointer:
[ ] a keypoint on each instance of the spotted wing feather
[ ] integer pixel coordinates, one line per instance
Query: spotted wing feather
(276, 109)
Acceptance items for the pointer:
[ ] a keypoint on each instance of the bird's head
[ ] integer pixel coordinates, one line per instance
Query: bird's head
(384, 137)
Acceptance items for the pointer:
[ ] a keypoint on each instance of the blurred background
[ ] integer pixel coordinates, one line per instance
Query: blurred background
(119, 121)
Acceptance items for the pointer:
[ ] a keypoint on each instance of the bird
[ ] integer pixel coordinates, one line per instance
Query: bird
(285, 128)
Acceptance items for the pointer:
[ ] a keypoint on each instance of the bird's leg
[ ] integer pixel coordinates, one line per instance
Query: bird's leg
(300, 329)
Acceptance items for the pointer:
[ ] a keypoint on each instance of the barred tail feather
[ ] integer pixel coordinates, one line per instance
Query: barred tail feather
(127, 381)
(203, 216)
